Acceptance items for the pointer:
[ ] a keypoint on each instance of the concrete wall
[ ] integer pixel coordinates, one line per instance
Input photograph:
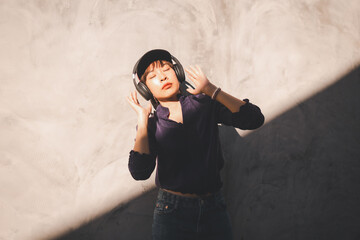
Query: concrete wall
(66, 128)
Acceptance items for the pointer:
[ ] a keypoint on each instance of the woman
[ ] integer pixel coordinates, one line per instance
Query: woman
(183, 136)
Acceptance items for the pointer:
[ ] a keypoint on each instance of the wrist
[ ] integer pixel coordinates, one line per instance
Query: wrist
(210, 89)
(142, 121)
(216, 92)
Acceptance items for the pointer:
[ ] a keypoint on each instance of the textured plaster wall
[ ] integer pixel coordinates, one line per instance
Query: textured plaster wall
(66, 128)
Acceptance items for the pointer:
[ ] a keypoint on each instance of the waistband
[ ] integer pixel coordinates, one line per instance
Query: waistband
(174, 198)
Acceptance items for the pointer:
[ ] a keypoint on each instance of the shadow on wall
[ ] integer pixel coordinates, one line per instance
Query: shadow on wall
(131, 221)
(297, 177)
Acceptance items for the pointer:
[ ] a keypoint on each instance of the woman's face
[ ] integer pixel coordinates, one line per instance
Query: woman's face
(162, 82)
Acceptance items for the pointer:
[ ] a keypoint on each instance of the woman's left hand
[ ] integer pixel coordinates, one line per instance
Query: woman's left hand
(202, 83)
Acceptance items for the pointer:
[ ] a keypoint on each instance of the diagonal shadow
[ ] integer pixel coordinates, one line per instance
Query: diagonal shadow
(127, 221)
(297, 177)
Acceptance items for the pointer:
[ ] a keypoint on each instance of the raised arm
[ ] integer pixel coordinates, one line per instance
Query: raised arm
(141, 158)
(232, 111)
(141, 141)
(203, 85)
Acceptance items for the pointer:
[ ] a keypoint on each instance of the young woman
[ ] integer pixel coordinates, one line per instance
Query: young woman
(182, 135)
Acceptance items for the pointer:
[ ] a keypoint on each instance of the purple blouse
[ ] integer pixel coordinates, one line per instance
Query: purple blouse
(189, 156)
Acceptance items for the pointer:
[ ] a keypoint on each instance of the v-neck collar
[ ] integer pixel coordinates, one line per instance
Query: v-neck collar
(163, 112)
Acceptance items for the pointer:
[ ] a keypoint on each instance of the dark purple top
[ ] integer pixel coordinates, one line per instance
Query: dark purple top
(189, 156)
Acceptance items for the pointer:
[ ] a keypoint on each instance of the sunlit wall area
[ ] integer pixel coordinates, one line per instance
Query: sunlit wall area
(65, 70)
(287, 51)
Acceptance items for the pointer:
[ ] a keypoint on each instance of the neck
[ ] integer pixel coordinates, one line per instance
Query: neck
(169, 103)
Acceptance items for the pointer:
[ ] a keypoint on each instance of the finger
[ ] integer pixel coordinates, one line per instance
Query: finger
(194, 70)
(134, 99)
(192, 91)
(134, 96)
(198, 69)
(129, 98)
(194, 80)
(132, 104)
(131, 101)
(191, 69)
(191, 74)
(188, 70)
(135, 106)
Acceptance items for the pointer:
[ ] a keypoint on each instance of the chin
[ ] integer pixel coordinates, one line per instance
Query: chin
(169, 95)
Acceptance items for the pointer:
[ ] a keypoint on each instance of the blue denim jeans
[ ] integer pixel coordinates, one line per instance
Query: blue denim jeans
(178, 217)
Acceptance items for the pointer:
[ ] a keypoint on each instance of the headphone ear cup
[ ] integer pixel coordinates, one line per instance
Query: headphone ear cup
(179, 71)
(144, 91)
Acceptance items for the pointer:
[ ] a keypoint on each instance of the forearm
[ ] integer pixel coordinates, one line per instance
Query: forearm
(141, 161)
(142, 142)
(230, 110)
(232, 103)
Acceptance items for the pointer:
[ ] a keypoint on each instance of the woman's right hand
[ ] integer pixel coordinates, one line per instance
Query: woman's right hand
(142, 112)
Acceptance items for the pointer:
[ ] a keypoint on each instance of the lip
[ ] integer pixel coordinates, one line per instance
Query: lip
(166, 85)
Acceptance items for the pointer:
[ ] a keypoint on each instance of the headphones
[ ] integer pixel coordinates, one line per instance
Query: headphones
(145, 91)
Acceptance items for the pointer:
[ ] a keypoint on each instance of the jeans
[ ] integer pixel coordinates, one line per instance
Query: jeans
(179, 217)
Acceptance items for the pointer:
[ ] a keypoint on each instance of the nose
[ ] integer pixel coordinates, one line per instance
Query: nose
(163, 77)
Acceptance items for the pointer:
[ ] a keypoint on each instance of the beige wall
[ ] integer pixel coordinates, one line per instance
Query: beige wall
(65, 69)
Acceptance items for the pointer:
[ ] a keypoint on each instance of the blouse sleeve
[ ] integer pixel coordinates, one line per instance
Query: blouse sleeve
(248, 117)
(142, 165)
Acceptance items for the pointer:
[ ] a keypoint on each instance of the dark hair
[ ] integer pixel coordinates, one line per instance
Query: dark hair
(152, 65)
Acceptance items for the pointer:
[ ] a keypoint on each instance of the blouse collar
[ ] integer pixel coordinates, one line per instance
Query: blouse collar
(163, 112)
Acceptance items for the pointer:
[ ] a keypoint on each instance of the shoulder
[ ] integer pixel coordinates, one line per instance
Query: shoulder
(196, 103)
